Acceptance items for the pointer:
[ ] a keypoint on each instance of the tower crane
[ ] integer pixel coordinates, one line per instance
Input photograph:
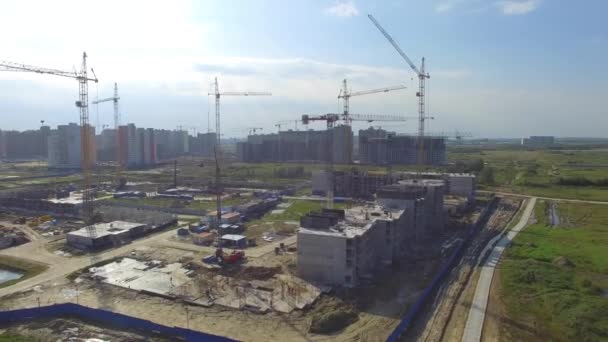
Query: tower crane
(119, 180)
(284, 122)
(331, 119)
(422, 76)
(346, 94)
(254, 130)
(218, 148)
(85, 129)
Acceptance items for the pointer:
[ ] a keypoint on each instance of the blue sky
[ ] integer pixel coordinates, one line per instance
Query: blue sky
(498, 68)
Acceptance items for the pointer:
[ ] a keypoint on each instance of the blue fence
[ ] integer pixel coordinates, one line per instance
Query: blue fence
(428, 292)
(106, 318)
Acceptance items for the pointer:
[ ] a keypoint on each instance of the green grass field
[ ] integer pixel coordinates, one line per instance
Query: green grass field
(554, 279)
(538, 172)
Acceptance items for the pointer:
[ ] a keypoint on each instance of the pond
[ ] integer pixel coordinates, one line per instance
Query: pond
(6, 275)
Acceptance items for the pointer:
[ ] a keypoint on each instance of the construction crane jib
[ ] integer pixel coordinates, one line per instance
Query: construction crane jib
(422, 76)
(85, 129)
(346, 94)
(331, 119)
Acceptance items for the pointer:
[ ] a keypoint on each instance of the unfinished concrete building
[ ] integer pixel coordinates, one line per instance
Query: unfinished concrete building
(345, 247)
(360, 184)
(354, 183)
(425, 199)
(379, 147)
(103, 235)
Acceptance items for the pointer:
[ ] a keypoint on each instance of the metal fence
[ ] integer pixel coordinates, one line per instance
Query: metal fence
(106, 318)
(437, 281)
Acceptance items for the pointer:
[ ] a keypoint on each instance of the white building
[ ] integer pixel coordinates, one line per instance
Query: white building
(103, 235)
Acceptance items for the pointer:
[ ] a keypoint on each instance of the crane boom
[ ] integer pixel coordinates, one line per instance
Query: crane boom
(373, 91)
(11, 66)
(106, 100)
(422, 76)
(245, 93)
(394, 44)
(346, 94)
(85, 128)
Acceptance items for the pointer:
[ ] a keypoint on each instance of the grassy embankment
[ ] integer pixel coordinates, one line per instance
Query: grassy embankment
(28, 268)
(554, 279)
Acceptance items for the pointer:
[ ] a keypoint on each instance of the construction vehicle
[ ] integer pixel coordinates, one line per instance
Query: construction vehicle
(228, 259)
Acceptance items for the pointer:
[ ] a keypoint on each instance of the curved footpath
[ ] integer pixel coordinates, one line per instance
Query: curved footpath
(477, 312)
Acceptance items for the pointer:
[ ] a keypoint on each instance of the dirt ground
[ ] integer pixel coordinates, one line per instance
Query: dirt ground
(386, 303)
(446, 318)
(70, 329)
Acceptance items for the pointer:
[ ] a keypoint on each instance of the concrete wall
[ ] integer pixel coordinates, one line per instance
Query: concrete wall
(322, 258)
(462, 185)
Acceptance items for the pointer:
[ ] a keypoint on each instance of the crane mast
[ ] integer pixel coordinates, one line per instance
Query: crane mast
(422, 76)
(114, 99)
(218, 148)
(85, 128)
(331, 119)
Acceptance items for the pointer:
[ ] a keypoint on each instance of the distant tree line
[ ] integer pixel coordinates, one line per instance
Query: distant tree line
(582, 181)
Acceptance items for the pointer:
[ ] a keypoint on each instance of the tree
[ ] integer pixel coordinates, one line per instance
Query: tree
(486, 176)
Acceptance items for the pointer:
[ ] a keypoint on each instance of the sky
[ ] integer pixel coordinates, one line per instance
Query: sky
(497, 68)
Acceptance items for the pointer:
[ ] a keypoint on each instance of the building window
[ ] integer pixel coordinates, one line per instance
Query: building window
(349, 263)
(347, 279)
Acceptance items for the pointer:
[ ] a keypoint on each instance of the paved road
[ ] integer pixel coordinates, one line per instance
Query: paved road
(543, 198)
(477, 313)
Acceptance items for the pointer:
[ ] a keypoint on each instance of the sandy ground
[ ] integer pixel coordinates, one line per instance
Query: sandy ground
(374, 324)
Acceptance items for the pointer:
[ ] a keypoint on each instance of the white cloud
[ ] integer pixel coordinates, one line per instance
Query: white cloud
(466, 6)
(343, 9)
(517, 7)
(447, 5)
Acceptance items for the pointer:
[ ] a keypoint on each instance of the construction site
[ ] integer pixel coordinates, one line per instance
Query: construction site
(286, 236)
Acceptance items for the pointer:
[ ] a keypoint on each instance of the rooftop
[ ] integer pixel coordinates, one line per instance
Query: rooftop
(104, 229)
(233, 237)
(357, 221)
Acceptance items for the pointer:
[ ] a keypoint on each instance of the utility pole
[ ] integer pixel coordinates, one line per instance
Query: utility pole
(175, 174)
